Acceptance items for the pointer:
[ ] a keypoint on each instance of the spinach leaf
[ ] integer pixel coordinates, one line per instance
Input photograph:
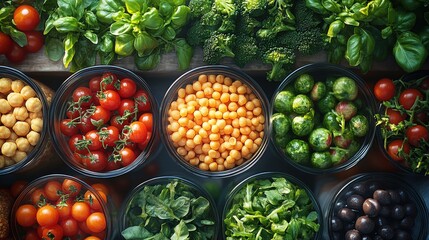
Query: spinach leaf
(135, 233)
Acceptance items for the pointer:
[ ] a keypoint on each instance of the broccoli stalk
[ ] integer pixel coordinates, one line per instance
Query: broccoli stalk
(280, 58)
(217, 46)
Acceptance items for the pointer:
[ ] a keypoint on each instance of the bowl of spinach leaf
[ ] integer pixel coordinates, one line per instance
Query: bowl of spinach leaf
(169, 207)
(272, 206)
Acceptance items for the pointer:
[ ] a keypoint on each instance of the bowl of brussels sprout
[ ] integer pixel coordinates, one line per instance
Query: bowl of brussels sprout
(322, 118)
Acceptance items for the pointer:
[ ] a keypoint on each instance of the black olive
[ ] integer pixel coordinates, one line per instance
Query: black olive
(366, 237)
(410, 209)
(349, 226)
(386, 232)
(394, 195)
(346, 214)
(402, 235)
(355, 202)
(371, 207)
(407, 223)
(349, 193)
(337, 236)
(361, 189)
(336, 224)
(339, 204)
(373, 186)
(353, 235)
(381, 221)
(364, 224)
(404, 195)
(398, 212)
(385, 211)
(382, 196)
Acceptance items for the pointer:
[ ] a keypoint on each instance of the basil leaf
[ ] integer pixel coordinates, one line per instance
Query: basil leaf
(180, 16)
(148, 62)
(331, 6)
(6, 12)
(120, 28)
(124, 44)
(54, 49)
(91, 36)
(405, 21)
(70, 51)
(19, 37)
(107, 9)
(409, 52)
(134, 6)
(66, 24)
(152, 20)
(335, 28)
(316, 6)
(184, 53)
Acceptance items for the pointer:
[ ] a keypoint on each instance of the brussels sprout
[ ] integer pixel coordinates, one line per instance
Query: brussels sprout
(301, 104)
(304, 83)
(320, 139)
(283, 101)
(359, 125)
(299, 151)
(321, 160)
(281, 124)
(327, 103)
(345, 88)
(330, 82)
(318, 91)
(353, 148)
(338, 155)
(330, 122)
(343, 140)
(346, 109)
(282, 141)
(303, 125)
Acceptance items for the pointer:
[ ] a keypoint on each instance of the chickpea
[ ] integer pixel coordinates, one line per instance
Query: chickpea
(20, 113)
(33, 138)
(27, 92)
(8, 149)
(17, 85)
(5, 106)
(15, 99)
(36, 124)
(19, 156)
(33, 105)
(4, 132)
(21, 128)
(34, 115)
(23, 144)
(5, 85)
(2, 161)
(9, 161)
(12, 137)
(8, 120)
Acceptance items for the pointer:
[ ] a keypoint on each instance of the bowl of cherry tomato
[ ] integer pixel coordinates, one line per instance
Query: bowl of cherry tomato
(403, 121)
(59, 206)
(104, 121)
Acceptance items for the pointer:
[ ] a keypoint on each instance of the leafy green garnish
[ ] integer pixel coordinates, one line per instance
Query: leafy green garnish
(169, 211)
(271, 208)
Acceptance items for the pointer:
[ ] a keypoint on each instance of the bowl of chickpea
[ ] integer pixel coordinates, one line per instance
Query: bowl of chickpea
(23, 110)
(214, 121)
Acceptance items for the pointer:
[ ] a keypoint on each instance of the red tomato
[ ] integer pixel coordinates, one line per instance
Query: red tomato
(31, 235)
(47, 216)
(17, 187)
(423, 117)
(108, 81)
(93, 139)
(127, 88)
(142, 146)
(74, 113)
(110, 100)
(53, 232)
(92, 238)
(126, 108)
(85, 125)
(118, 122)
(70, 187)
(95, 161)
(52, 188)
(73, 140)
(409, 96)
(64, 208)
(70, 227)
(100, 116)
(80, 211)
(26, 215)
(96, 222)
(94, 84)
(112, 165)
(384, 89)
(68, 127)
(26, 18)
(83, 96)
(84, 228)
(417, 133)
(5, 43)
(141, 98)
(138, 132)
(147, 119)
(93, 200)
(37, 196)
(35, 41)
(16, 54)
(109, 135)
(395, 117)
(395, 146)
(127, 156)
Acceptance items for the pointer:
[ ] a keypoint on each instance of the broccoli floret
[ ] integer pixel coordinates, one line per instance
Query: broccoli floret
(247, 24)
(245, 50)
(227, 25)
(305, 42)
(211, 19)
(217, 46)
(281, 58)
(198, 33)
(200, 7)
(254, 8)
(225, 7)
(306, 19)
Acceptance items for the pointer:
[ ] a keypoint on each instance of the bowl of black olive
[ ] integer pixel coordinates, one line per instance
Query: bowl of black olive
(377, 206)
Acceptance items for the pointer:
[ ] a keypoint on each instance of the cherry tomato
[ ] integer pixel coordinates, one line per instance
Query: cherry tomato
(409, 96)
(70, 227)
(110, 100)
(108, 81)
(118, 122)
(127, 156)
(384, 89)
(84, 228)
(101, 188)
(127, 88)
(52, 189)
(73, 140)
(68, 127)
(5, 43)
(16, 54)
(126, 105)
(141, 98)
(86, 125)
(142, 146)
(395, 146)
(26, 18)
(53, 232)
(35, 41)
(47, 216)
(31, 235)
(96, 222)
(109, 135)
(92, 238)
(94, 84)
(138, 132)
(423, 117)
(26, 215)
(100, 116)
(395, 117)
(112, 165)
(147, 119)
(70, 187)
(64, 208)
(417, 133)
(95, 161)
(82, 95)
(94, 140)
(80, 211)
(37, 196)
(93, 200)
(17, 187)
(74, 113)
